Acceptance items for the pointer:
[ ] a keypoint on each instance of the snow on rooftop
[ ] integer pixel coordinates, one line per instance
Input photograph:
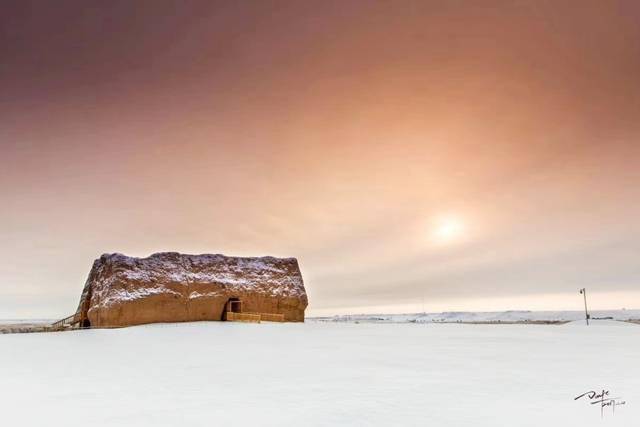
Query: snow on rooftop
(168, 272)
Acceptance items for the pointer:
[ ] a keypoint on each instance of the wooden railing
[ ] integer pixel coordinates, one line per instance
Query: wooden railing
(271, 317)
(74, 321)
(67, 321)
(242, 317)
(253, 317)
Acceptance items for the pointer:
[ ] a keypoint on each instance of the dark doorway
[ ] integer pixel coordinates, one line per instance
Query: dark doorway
(85, 323)
(233, 305)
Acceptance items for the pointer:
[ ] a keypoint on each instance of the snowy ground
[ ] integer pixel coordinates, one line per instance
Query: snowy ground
(487, 316)
(204, 374)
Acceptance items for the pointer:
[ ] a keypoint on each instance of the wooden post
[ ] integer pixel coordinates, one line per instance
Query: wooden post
(583, 291)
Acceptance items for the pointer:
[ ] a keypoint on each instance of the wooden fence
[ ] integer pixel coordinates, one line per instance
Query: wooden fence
(272, 317)
(254, 317)
(243, 317)
(67, 321)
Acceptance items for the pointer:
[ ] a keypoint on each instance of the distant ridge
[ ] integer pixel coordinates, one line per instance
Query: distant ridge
(510, 316)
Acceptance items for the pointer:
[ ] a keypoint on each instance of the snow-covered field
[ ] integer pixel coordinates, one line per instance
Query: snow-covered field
(486, 316)
(319, 373)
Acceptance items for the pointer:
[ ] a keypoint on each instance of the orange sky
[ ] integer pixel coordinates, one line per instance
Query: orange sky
(341, 134)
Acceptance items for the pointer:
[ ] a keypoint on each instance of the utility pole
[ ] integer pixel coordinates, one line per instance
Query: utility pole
(583, 291)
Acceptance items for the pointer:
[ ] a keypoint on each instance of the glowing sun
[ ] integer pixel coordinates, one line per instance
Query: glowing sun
(447, 229)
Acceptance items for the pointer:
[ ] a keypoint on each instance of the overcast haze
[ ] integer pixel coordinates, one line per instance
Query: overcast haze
(440, 154)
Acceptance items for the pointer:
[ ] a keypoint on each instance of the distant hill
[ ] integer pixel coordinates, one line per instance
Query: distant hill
(512, 316)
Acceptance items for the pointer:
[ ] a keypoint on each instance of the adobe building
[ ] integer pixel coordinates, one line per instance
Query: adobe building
(172, 287)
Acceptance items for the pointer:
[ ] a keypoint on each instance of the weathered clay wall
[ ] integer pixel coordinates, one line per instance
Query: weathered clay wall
(171, 287)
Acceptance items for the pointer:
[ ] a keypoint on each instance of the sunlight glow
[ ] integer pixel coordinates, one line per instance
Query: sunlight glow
(447, 229)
